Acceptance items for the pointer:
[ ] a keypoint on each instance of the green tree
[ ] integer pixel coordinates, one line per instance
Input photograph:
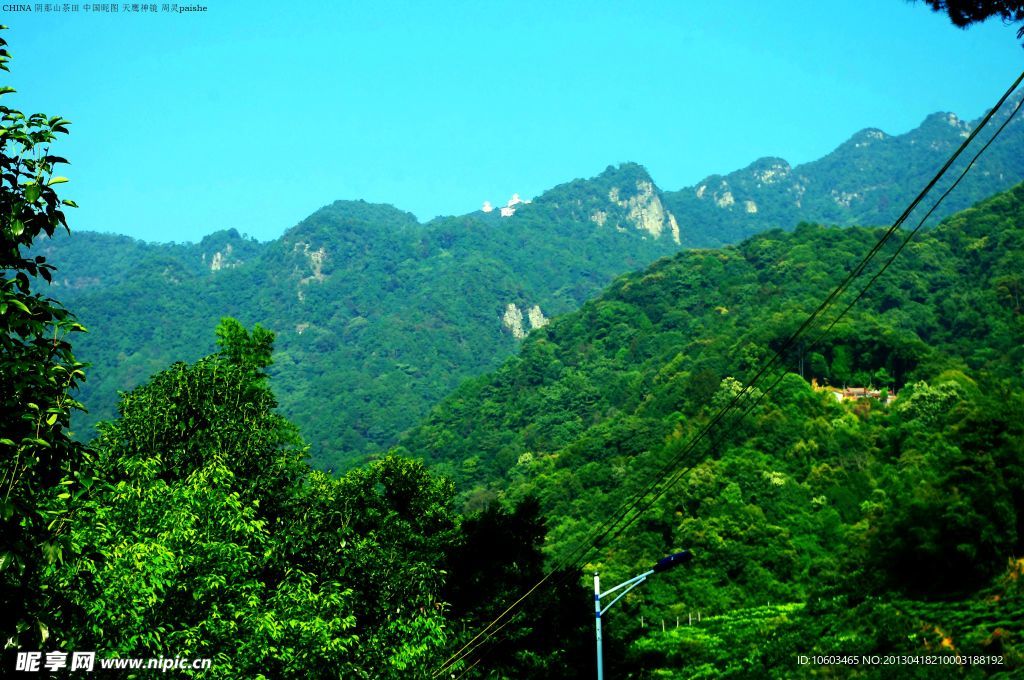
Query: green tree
(182, 537)
(497, 558)
(40, 464)
(383, 531)
(209, 536)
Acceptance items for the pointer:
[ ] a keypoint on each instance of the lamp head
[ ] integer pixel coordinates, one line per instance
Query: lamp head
(673, 560)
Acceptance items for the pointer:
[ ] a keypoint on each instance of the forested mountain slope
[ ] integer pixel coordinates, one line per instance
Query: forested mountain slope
(378, 316)
(856, 514)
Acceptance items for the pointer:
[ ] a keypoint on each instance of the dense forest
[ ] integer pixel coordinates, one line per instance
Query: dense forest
(379, 316)
(870, 526)
(812, 518)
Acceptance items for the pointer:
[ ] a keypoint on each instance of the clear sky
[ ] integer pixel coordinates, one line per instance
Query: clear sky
(254, 114)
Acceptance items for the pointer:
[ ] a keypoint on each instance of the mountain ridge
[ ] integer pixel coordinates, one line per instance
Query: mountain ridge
(867, 179)
(379, 315)
(801, 496)
(375, 312)
(768, 170)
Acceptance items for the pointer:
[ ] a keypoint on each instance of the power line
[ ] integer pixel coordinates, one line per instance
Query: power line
(611, 529)
(910, 235)
(608, 528)
(808, 323)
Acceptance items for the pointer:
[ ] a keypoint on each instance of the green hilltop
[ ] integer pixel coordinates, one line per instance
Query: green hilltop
(884, 527)
(378, 316)
(864, 526)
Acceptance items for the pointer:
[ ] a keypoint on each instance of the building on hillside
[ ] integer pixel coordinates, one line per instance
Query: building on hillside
(854, 393)
(510, 208)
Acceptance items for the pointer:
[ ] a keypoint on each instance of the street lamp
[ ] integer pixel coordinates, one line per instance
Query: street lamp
(664, 563)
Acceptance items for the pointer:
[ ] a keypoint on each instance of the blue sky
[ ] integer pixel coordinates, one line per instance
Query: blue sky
(253, 114)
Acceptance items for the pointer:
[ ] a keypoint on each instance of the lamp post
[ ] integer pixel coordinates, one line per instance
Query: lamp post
(664, 563)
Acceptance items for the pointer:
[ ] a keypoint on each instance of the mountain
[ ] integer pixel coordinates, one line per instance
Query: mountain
(660, 342)
(378, 315)
(819, 521)
(868, 179)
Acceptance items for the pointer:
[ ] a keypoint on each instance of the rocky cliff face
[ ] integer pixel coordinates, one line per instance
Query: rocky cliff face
(513, 319)
(644, 210)
(623, 198)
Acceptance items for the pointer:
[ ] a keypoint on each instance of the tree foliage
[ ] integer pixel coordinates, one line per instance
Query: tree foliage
(805, 497)
(379, 316)
(498, 557)
(41, 466)
(206, 535)
(964, 13)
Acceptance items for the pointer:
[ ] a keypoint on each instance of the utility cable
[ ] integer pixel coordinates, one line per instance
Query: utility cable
(821, 336)
(910, 235)
(611, 527)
